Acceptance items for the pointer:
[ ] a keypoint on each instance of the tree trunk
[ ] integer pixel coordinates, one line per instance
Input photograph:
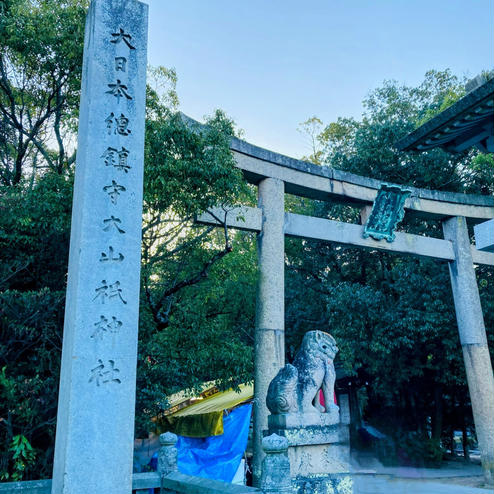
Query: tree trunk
(437, 419)
(466, 449)
(451, 441)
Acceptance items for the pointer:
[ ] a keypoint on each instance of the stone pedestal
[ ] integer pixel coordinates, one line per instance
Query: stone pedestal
(303, 420)
(319, 455)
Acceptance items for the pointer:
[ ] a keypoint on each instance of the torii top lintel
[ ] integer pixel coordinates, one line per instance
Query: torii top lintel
(325, 183)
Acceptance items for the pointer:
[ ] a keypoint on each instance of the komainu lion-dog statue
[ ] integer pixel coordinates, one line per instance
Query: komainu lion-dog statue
(295, 389)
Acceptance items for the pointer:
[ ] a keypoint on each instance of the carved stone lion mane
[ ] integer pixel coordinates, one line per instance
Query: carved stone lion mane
(295, 388)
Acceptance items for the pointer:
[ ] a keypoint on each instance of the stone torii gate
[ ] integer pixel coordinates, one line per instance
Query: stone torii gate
(275, 175)
(95, 422)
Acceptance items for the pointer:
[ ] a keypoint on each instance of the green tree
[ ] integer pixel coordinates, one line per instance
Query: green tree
(40, 67)
(311, 129)
(368, 147)
(393, 316)
(187, 280)
(192, 328)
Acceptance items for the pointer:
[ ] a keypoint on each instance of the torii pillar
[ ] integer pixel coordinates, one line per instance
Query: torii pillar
(269, 345)
(473, 339)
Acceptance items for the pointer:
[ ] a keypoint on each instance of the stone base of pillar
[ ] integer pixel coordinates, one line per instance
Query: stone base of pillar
(331, 484)
(319, 458)
(300, 421)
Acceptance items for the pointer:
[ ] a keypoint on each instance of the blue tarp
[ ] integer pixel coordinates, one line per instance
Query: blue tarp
(216, 457)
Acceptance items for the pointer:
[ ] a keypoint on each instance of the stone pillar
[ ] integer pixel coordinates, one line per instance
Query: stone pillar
(275, 478)
(269, 346)
(95, 422)
(344, 404)
(473, 339)
(168, 454)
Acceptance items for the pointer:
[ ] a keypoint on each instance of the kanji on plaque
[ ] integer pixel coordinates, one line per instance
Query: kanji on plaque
(117, 159)
(104, 373)
(121, 64)
(105, 326)
(122, 36)
(108, 291)
(117, 125)
(113, 222)
(114, 191)
(111, 256)
(119, 90)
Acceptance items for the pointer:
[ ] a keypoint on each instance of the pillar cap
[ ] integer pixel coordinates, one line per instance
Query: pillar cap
(274, 444)
(168, 439)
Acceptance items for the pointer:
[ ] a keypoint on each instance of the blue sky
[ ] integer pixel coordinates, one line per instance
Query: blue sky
(271, 64)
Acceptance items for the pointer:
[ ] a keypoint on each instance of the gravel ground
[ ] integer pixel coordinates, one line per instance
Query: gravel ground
(382, 485)
(454, 477)
(474, 481)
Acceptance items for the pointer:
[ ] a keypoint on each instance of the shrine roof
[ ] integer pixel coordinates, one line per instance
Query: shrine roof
(468, 122)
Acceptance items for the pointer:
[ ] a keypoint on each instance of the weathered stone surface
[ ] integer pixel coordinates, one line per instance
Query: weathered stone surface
(317, 451)
(481, 387)
(274, 444)
(177, 482)
(332, 434)
(297, 420)
(332, 484)
(261, 154)
(473, 340)
(269, 344)
(295, 389)
(95, 425)
(484, 236)
(344, 401)
(334, 177)
(347, 188)
(301, 226)
(275, 476)
(168, 453)
(319, 460)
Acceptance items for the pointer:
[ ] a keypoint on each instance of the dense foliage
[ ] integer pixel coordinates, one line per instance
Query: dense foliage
(392, 316)
(197, 304)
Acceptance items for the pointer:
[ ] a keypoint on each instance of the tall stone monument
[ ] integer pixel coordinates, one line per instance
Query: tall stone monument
(95, 424)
